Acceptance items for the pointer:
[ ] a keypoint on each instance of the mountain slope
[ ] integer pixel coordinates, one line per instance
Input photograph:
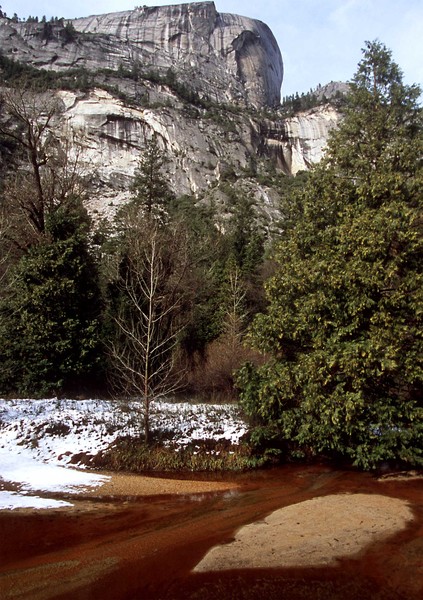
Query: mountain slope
(207, 84)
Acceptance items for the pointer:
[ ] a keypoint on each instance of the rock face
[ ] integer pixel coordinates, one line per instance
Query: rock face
(228, 58)
(203, 150)
(299, 142)
(206, 84)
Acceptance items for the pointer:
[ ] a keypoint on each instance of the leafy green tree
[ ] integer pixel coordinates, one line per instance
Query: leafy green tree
(47, 31)
(246, 240)
(69, 32)
(49, 318)
(343, 331)
(226, 264)
(218, 254)
(208, 252)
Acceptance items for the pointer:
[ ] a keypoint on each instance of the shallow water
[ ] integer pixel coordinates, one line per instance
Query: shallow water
(145, 548)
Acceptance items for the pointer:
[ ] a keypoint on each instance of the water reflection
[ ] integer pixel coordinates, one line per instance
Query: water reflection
(154, 543)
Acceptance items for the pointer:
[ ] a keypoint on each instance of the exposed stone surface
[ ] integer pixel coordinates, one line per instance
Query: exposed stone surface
(229, 58)
(232, 61)
(201, 150)
(112, 136)
(299, 141)
(331, 90)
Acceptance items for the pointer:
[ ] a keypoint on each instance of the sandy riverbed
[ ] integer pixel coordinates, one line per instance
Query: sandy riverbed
(296, 529)
(139, 485)
(315, 532)
(311, 533)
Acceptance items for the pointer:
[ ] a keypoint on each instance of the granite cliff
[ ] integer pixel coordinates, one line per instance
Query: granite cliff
(227, 58)
(206, 83)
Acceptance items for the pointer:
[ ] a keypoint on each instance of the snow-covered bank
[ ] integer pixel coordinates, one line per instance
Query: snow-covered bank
(19, 466)
(12, 500)
(40, 438)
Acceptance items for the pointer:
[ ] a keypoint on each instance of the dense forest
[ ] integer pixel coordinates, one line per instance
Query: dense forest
(315, 327)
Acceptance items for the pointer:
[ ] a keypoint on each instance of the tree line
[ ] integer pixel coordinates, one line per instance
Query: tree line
(129, 307)
(30, 19)
(167, 295)
(295, 103)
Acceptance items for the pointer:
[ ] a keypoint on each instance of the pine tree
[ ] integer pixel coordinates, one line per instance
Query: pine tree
(150, 188)
(344, 324)
(49, 317)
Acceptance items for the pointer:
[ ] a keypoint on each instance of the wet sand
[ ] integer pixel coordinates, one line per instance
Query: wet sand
(122, 543)
(138, 485)
(313, 533)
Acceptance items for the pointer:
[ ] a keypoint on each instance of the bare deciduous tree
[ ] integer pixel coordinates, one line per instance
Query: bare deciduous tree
(48, 172)
(236, 314)
(149, 318)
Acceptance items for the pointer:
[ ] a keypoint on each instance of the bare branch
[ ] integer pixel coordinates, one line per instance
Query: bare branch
(50, 173)
(149, 321)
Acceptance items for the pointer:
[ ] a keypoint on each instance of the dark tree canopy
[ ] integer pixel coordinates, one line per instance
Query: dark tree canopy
(49, 318)
(150, 188)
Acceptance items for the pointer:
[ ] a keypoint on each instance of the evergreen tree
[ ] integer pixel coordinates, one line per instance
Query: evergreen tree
(49, 318)
(344, 326)
(245, 251)
(69, 32)
(246, 240)
(150, 189)
(208, 253)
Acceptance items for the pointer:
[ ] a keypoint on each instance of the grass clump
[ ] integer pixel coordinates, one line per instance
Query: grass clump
(133, 455)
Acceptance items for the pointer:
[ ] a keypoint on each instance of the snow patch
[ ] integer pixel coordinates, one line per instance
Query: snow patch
(33, 475)
(40, 439)
(12, 500)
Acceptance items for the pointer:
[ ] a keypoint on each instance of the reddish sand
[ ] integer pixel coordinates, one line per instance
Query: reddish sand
(125, 543)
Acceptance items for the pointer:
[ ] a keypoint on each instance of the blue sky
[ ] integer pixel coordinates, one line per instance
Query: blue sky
(320, 40)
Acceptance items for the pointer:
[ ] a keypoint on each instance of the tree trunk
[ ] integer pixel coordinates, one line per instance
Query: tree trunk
(146, 419)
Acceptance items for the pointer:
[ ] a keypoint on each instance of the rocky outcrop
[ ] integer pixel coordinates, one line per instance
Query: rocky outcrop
(203, 149)
(226, 58)
(298, 142)
(140, 66)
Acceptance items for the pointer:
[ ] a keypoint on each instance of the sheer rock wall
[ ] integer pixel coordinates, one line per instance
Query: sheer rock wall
(231, 61)
(225, 57)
